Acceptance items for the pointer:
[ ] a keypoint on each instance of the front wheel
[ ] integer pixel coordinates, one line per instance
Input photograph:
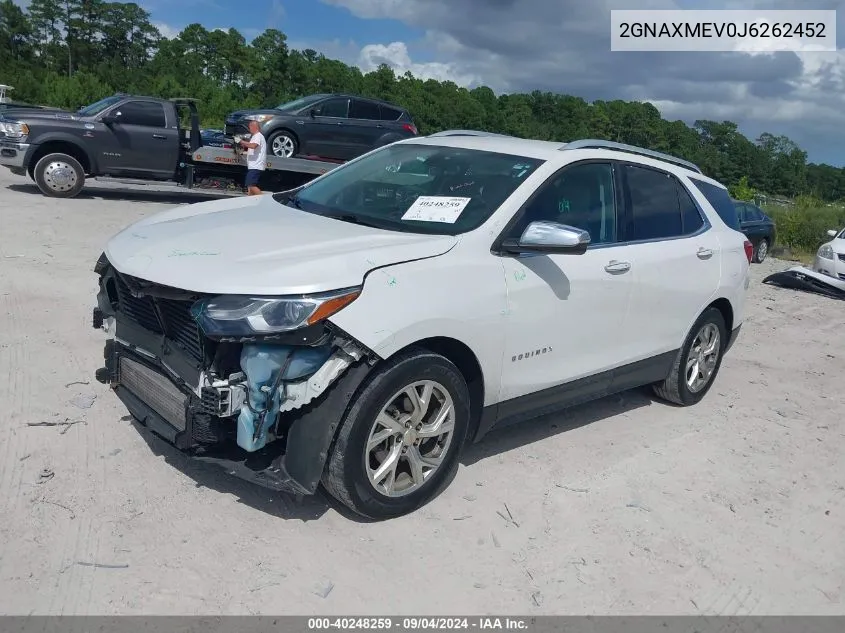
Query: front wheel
(59, 176)
(697, 362)
(761, 251)
(283, 144)
(400, 442)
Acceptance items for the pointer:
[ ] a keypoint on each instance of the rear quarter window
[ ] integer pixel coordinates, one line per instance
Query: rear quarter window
(720, 200)
(390, 114)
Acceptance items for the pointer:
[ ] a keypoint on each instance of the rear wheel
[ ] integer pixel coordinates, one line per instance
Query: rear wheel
(698, 361)
(400, 442)
(59, 176)
(761, 251)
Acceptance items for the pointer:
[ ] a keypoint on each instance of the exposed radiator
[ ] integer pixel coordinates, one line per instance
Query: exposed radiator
(154, 389)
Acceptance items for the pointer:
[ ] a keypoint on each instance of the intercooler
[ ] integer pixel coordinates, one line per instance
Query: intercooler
(155, 390)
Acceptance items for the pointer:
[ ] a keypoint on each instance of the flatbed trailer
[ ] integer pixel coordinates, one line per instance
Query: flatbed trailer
(61, 150)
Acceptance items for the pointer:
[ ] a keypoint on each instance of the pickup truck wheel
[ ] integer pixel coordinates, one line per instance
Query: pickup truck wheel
(399, 443)
(59, 176)
(283, 144)
(697, 362)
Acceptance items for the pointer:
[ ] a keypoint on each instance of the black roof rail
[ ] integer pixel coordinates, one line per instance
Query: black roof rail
(590, 143)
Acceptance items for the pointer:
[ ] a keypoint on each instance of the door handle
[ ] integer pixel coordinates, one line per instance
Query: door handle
(617, 267)
(339, 123)
(704, 253)
(380, 126)
(161, 136)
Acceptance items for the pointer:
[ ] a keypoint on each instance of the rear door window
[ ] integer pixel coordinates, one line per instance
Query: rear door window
(367, 110)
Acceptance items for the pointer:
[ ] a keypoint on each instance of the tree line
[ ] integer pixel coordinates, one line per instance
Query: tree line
(68, 53)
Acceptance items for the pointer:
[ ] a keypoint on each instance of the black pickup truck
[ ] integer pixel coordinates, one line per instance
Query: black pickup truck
(131, 139)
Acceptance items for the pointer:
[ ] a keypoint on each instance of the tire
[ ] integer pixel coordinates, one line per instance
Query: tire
(347, 476)
(676, 388)
(283, 144)
(59, 176)
(761, 251)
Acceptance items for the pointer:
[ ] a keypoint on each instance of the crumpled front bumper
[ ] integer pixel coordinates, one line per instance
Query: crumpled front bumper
(169, 406)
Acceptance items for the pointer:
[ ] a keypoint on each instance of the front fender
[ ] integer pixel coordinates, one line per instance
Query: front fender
(65, 137)
(454, 296)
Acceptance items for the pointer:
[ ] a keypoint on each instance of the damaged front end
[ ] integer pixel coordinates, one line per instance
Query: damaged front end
(255, 385)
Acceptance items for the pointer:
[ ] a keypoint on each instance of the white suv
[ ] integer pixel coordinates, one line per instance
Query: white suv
(359, 330)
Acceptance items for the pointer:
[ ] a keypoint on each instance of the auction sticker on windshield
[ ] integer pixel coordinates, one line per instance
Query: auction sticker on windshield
(436, 209)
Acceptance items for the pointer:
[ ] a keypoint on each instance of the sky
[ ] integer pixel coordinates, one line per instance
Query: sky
(560, 46)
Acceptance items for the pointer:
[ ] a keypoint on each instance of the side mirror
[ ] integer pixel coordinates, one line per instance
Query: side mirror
(112, 117)
(313, 113)
(549, 238)
(832, 233)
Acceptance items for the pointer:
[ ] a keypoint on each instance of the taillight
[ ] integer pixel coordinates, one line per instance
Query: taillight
(749, 251)
(410, 127)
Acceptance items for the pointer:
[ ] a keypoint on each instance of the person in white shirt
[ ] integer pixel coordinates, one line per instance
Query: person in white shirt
(256, 158)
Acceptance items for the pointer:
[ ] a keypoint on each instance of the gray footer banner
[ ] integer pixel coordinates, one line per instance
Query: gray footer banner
(527, 624)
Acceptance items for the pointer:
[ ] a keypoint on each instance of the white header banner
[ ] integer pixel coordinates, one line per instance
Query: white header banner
(758, 31)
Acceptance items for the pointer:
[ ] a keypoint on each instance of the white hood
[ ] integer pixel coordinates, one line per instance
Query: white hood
(256, 245)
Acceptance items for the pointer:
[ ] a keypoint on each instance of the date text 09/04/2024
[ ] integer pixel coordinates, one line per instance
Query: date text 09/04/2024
(417, 623)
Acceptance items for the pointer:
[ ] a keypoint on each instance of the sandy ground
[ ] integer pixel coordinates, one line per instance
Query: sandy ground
(625, 506)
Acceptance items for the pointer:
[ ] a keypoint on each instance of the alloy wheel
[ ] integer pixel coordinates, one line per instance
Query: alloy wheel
(283, 146)
(410, 438)
(703, 357)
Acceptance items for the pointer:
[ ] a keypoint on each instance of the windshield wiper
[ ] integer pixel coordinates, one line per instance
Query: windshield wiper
(355, 219)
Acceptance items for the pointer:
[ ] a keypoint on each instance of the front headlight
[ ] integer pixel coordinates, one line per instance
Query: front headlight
(238, 315)
(826, 252)
(14, 129)
(258, 117)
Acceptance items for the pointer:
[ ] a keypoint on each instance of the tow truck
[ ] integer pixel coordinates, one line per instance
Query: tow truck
(133, 140)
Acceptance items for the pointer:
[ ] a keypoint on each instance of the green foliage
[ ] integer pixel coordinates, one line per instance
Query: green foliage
(742, 190)
(71, 52)
(803, 226)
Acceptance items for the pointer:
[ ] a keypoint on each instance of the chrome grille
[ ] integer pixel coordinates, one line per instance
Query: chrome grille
(163, 316)
(155, 390)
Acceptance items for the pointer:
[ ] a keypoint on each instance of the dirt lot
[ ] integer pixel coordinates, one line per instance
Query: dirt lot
(626, 506)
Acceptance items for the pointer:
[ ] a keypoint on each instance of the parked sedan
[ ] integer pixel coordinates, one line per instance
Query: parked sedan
(758, 227)
(335, 126)
(830, 258)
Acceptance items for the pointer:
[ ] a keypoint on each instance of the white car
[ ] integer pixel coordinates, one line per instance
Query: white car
(830, 258)
(359, 330)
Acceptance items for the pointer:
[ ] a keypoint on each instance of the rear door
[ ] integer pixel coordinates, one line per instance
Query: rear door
(365, 125)
(143, 141)
(675, 260)
(758, 226)
(328, 133)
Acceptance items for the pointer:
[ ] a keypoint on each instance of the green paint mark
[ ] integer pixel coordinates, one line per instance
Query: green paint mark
(391, 281)
(519, 275)
(563, 205)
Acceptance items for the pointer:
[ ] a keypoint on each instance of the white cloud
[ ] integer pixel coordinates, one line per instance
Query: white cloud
(166, 30)
(397, 57)
(563, 46)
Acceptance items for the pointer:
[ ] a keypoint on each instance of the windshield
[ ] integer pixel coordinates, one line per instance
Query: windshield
(99, 106)
(417, 188)
(299, 103)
